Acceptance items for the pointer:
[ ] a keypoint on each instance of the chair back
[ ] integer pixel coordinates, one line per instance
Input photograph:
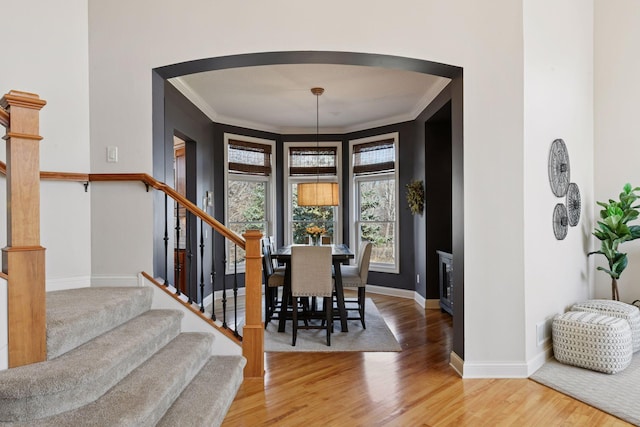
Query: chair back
(311, 271)
(364, 257)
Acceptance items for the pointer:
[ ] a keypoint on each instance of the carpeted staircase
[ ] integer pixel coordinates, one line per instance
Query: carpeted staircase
(112, 361)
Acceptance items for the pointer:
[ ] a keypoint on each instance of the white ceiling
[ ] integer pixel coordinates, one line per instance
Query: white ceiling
(278, 98)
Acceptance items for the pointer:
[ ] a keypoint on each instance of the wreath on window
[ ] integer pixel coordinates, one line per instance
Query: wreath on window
(415, 196)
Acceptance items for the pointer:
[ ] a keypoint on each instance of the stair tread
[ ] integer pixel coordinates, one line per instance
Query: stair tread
(75, 316)
(142, 397)
(221, 377)
(85, 373)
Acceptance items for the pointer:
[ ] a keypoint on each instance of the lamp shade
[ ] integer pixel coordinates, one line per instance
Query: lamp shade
(318, 194)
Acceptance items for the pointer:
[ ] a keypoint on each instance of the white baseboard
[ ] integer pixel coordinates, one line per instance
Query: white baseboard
(495, 370)
(540, 359)
(62, 283)
(115, 280)
(394, 292)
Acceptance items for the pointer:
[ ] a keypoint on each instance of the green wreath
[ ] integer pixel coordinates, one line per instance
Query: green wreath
(415, 196)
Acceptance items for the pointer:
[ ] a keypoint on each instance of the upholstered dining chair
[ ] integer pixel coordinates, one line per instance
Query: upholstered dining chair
(273, 280)
(355, 276)
(311, 277)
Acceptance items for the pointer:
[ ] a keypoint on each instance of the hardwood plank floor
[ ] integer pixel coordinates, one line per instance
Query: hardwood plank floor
(415, 387)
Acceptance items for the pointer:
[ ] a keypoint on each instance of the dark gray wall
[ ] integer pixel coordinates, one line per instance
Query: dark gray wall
(450, 98)
(438, 194)
(183, 119)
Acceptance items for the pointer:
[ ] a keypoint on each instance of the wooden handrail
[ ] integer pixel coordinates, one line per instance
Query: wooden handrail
(154, 183)
(4, 117)
(147, 180)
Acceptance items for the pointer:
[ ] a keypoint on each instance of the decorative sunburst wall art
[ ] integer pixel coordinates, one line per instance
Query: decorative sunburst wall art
(561, 186)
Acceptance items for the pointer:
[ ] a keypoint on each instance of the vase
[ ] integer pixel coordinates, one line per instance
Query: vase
(315, 240)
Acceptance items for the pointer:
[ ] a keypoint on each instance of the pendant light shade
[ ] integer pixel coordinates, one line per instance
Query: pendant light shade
(318, 193)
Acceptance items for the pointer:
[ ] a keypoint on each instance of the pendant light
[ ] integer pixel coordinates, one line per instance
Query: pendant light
(318, 193)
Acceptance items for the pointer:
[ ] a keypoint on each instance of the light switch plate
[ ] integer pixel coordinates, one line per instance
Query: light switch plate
(112, 154)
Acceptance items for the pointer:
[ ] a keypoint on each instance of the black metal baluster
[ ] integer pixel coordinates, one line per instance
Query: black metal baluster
(224, 294)
(213, 274)
(202, 266)
(189, 260)
(166, 239)
(235, 292)
(178, 266)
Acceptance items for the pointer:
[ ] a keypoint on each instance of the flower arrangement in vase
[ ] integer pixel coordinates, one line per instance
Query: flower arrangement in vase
(315, 232)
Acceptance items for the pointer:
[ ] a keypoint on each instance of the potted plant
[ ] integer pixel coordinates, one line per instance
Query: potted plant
(612, 230)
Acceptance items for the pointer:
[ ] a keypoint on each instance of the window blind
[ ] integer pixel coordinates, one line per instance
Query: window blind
(376, 156)
(249, 157)
(312, 161)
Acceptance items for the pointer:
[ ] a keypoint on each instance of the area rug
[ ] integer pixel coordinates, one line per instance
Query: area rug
(616, 394)
(377, 336)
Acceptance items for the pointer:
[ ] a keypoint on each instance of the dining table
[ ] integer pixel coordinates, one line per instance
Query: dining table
(340, 253)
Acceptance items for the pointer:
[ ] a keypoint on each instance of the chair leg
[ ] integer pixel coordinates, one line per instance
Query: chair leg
(295, 321)
(328, 312)
(267, 300)
(361, 303)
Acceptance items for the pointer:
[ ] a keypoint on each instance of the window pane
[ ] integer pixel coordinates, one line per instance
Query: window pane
(382, 235)
(246, 210)
(306, 216)
(377, 200)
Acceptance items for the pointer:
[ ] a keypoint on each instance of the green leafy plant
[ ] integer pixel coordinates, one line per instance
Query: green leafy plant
(613, 229)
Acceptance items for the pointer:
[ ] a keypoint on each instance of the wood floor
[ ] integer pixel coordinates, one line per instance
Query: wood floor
(415, 387)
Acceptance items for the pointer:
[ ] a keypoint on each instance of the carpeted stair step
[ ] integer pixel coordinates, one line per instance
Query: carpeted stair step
(85, 373)
(212, 391)
(75, 316)
(143, 396)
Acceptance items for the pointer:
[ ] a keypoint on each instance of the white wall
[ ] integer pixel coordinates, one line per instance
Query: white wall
(45, 51)
(4, 338)
(128, 39)
(558, 89)
(617, 126)
(507, 127)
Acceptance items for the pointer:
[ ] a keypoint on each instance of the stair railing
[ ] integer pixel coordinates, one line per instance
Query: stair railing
(23, 259)
(252, 336)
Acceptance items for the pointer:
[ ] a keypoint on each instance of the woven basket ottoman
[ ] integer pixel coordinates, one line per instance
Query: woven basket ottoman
(625, 311)
(592, 341)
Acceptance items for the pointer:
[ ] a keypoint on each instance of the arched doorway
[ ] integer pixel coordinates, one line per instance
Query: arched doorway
(454, 96)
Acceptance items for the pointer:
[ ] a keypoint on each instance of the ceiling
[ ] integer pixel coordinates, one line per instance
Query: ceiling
(278, 98)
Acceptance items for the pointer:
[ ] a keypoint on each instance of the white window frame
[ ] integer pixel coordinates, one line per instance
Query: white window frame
(289, 180)
(270, 193)
(354, 205)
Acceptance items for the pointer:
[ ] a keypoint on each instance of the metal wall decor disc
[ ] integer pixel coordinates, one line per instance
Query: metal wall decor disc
(573, 204)
(559, 169)
(560, 221)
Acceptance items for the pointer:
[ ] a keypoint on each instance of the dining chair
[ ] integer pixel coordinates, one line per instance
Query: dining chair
(355, 276)
(273, 280)
(311, 277)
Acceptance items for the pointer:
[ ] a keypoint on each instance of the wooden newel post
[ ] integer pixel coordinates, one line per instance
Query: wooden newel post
(253, 331)
(23, 258)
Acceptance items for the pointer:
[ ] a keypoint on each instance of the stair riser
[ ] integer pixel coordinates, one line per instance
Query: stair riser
(84, 389)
